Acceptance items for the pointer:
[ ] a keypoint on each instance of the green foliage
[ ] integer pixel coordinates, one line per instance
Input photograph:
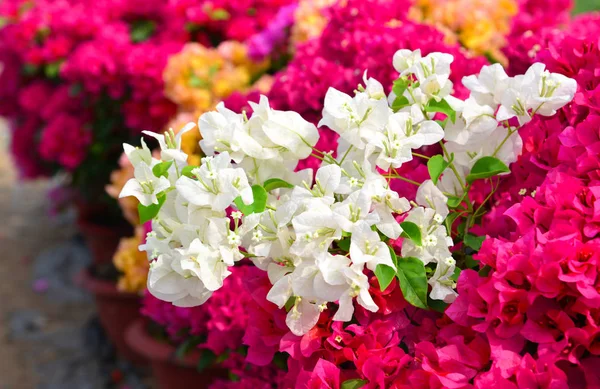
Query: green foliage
(260, 201)
(486, 167)
(441, 106)
(413, 281)
(276, 183)
(149, 212)
(436, 166)
(412, 231)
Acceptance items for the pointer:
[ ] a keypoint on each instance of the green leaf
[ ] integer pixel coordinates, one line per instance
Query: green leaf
(385, 275)
(470, 262)
(413, 281)
(162, 169)
(441, 106)
(436, 305)
(141, 30)
(485, 271)
(412, 231)
(354, 383)
(400, 86)
(149, 212)
(187, 171)
(220, 14)
(52, 69)
(259, 204)
(454, 201)
(344, 244)
(450, 221)
(456, 274)
(276, 183)
(486, 167)
(436, 166)
(399, 103)
(206, 359)
(187, 346)
(473, 241)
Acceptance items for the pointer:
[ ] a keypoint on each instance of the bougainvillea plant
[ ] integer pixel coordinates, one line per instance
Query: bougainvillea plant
(318, 235)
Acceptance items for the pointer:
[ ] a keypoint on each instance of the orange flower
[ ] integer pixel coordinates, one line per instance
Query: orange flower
(132, 263)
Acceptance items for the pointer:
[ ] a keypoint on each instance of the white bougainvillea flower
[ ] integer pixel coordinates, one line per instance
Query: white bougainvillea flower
(169, 285)
(145, 186)
(354, 209)
(442, 286)
(217, 184)
(327, 181)
(357, 286)
(170, 143)
(303, 316)
(354, 118)
(474, 124)
(552, 90)
(496, 144)
(488, 87)
(434, 239)
(315, 230)
(386, 203)
(225, 131)
(405, 61)
(204, 262)
(288, 130)
(429, 196)
(367, 248)
(137, 155)
(373, 88)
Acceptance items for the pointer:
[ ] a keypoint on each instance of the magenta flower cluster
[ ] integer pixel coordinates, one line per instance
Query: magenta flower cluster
(79, 77)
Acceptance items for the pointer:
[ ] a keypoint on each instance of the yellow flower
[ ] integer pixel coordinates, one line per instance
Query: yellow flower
(479, 25)
(309, 20)
(132, 263)
(199, 77)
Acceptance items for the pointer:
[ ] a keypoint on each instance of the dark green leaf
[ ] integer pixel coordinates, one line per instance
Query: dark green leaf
(185, 347)
(353, 384)
(456, 274)
(344, 244)
(385, 275)
(441, 106)
(206, 359)
(473, 241)
(450, 221)
(148, 213)
(141, 30)
(413, 281)
(470, 262)
(485, 271)
(276, 183)
(162, 169)
(436, 166)
(259, 204)
(486, 167)
(412, 231)
(436, 305)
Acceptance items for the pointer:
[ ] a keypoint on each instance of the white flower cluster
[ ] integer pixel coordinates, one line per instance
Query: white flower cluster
(316, 235)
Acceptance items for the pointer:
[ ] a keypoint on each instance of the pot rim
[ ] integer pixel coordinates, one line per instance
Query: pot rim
(101, 287)
(144, 344)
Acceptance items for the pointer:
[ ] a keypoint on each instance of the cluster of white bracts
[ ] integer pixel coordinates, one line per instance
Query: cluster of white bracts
(196, 236)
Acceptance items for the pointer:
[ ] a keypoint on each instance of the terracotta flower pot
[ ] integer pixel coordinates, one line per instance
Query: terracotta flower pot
(170, 372)
(101, 233)
(117, 311)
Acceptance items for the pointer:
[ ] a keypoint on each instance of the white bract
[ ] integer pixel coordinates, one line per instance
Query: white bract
(322, 236)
